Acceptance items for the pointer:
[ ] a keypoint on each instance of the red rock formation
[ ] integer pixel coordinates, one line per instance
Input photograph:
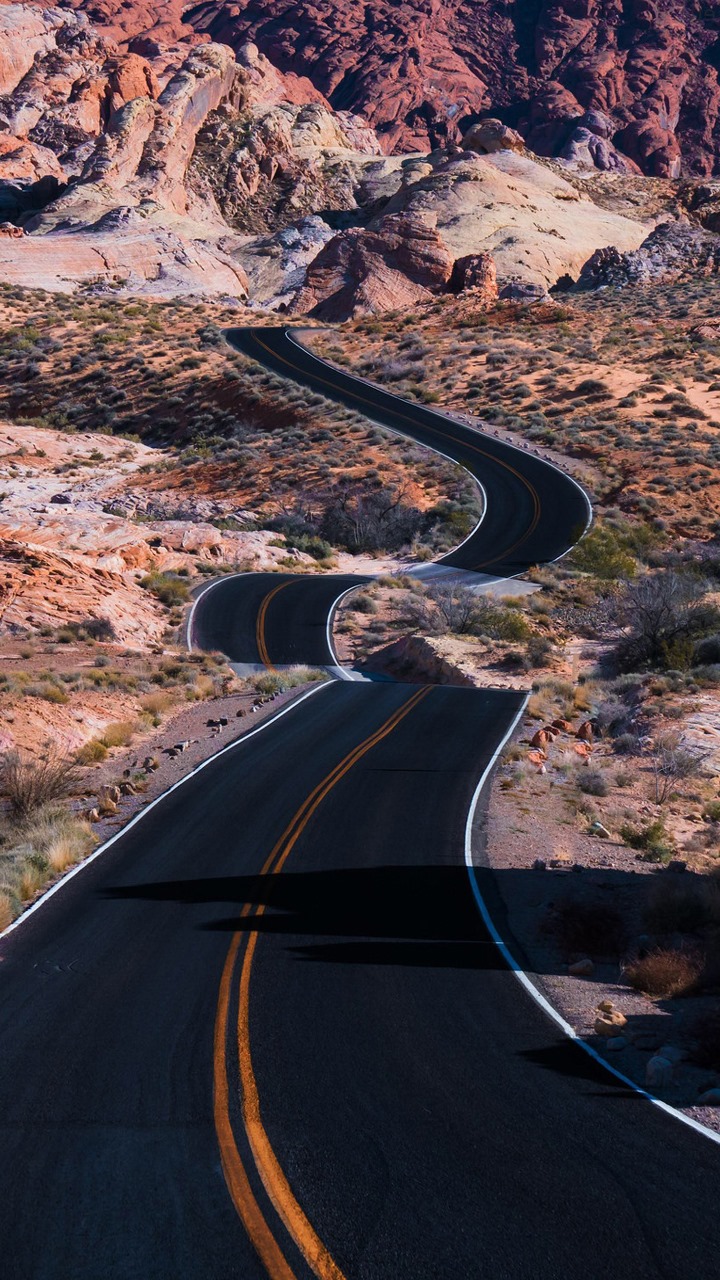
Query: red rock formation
(418, 68)
(399, 262)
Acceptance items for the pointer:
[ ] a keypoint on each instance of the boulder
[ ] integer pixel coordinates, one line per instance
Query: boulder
(658, 1073)
(609, 1023)
(396, 262)
(488, 136)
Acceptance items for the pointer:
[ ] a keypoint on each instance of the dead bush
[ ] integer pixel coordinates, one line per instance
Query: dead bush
(27, 783)
(665, 972)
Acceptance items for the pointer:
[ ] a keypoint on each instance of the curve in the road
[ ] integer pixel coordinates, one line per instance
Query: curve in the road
(534, 512)
(317, 996)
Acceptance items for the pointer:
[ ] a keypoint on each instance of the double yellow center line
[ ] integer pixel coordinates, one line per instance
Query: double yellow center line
(260, 625)
(266, 1162)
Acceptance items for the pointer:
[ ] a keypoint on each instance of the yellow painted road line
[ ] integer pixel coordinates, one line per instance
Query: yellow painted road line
(236, 1178)
(260, 626)
(271, 1173)
(443, 436)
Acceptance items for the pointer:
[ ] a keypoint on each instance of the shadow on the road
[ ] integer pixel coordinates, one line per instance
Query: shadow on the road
(430, 907)
(568, 1060)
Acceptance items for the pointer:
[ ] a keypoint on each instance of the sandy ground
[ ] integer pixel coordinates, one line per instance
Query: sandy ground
(529, 822)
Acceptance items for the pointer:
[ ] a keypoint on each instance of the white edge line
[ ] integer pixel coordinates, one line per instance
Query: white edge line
(518, 972)
(343, 672)
(231, 746)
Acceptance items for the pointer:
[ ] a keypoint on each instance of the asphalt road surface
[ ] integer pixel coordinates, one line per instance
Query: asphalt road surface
(426, 1119)
(534, 512)
(271, 619)
(266, 1033)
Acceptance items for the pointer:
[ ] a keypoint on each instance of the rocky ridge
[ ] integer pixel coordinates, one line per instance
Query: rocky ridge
(639, 79)
(190, 168)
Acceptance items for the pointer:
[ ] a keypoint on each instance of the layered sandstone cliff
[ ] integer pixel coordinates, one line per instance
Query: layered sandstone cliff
(420, 70)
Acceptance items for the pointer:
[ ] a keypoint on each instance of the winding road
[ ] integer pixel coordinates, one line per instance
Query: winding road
(266, 1032)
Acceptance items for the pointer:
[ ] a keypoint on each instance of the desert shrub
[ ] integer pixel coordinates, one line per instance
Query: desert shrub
(539, 651)
(154, 704)
(118, 734)
(604, 554)
(312, 545)
(90, 628)
(707, 651)
(711, 811)
(665, 972)
(663, 616)
(168, 588)
(362, 604)
(682, 904)
(592, 387)
(627, 744)
(612, 716)
(375, 521)
(92, 752)
(278, 681)
(592, 782)
(48, 691)
(652, 840)
(673, 762)
(28, 783)
(587, 928)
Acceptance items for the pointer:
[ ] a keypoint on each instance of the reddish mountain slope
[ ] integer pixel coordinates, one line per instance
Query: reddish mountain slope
(416, 68)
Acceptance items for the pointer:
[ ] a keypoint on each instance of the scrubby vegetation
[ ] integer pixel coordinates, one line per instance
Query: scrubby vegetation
(294, 462)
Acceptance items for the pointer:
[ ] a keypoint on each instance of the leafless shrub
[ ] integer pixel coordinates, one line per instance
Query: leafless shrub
(27, 783)
(665, 972)
(674, 761)
(662, 615)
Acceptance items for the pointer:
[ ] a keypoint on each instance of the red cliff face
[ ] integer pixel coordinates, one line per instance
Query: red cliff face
(640, 75)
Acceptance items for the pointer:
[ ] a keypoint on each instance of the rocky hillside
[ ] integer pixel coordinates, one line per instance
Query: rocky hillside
(639, 73)
(203, 167)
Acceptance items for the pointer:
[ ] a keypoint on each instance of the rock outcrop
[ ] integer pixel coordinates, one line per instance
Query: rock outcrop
(418, 69)
(671, 251)
(397, 263)
(94, 160)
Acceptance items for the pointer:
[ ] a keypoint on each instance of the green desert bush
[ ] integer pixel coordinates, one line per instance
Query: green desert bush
(652, 840)
(168, 588)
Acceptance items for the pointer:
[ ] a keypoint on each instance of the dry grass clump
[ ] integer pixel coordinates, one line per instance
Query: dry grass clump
(665, 972)
(33, 851)
(28, 783)
(279, 681)
(154, 704)
(118, 734)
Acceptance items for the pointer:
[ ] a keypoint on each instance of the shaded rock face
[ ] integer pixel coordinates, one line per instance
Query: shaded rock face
(397, 263)
(671, 251)
(421, 70)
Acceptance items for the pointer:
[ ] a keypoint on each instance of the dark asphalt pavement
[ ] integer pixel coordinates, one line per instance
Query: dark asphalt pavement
(429, 1120)
(534, 512)
(269, 1023)
(278, 619)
